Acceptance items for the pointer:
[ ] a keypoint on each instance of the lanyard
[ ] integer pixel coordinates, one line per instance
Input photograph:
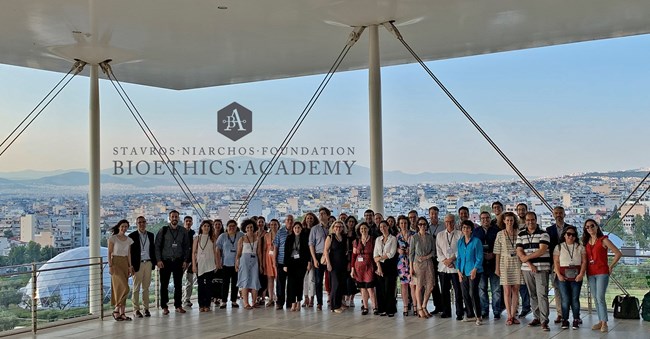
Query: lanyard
(296, 244)
(205, 244)
(512, 242)
(143, 243)
(450, 240)
(571, 252)
(251, 244)
(232, 242)
(173, 236)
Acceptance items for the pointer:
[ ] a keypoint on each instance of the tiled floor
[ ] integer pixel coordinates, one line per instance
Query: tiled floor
(312, 324)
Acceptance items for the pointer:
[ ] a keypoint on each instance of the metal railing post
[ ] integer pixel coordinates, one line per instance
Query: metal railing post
(157, 286)
(101, 295)
(34, 299)
(588, 298)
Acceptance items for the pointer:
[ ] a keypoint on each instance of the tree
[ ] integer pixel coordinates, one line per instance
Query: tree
(8, 234)
(33, 252)
(48, 252)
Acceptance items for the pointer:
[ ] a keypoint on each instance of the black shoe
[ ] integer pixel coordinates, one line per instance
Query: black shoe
(375, 311)
(485, 316)
(459, 317)
(364, 311)
(390, 315)
(523, 314)
(137, 314)
(383, 314)
(496, 317)
(444, 316)
(435, 311)
(534, 323)
(565, 324)
(147, 314)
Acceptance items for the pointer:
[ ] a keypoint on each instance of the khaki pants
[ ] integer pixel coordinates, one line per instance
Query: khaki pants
(142, 279)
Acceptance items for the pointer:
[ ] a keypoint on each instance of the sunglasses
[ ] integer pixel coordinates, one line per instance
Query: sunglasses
(590, 226)
(571, 234)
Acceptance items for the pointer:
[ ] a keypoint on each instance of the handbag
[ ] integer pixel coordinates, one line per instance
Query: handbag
(626, 307)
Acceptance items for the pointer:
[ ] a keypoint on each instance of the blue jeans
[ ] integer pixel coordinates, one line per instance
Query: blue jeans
(570, 291)
(598, 285)
(495, 289)
(525, 299)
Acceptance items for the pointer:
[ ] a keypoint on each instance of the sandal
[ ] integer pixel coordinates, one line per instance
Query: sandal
(116, 316)
(124, 317)
(406, 311)
(515, 321)
(509, 321)
(248, 307)
(422, 314)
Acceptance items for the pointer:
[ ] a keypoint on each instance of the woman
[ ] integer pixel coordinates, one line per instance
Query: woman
(423, 247)
(384, 256)
(570, 265)
(270, 266)
(392, 225)
(508, 266)
(335, 254)
(247, 264)
(363, 267)
(296, 263)
(119, 266)
(204, 263)
(469, 262)
(227, 245)
(260, 223)
(403, 264)
(309, 284)
(596, 245)
(217, 286)
(350, 285)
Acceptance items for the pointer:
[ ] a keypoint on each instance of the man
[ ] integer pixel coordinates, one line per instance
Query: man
(532, 250)
(522, 209)
(446, 250)
(173, 254)
(317, 237)
(190, 278)
(554, 232)
(143, 257)
(497, 209)
(463, 214)
(434, 229)
(488, 235)
(413, 220)
(343, 216)
(278, 247)
(369, 218)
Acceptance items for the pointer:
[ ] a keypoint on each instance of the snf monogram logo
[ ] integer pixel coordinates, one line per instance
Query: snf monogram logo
(234, 121)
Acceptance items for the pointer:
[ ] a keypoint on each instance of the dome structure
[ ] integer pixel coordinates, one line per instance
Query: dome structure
(63, 281)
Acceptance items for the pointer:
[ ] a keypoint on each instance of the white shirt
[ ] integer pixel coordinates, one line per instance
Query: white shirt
(388, 249)
(570, 255)
(120, 247)
(447, 248)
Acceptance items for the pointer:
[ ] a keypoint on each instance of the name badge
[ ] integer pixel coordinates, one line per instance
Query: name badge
(360, 259)
(253, 256)
(233, 251)
(449, 252)
(174, 245)
(592, 261)
(296, 256)
(486, 247)
(512, 255)
(143, 253)
(271, 253)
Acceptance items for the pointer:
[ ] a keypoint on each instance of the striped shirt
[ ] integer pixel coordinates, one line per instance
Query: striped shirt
(278, 242)
(531, 243)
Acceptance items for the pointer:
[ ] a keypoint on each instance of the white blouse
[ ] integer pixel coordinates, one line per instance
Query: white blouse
(120, 247)
(388, 249)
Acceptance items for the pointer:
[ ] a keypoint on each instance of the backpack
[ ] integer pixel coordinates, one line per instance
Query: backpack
(626, 307)
(645, 307)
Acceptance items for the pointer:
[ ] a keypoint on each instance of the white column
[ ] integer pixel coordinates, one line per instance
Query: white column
(96, 280)
(376, 150)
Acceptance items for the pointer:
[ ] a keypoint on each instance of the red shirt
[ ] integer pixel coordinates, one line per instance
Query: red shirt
(597, 258)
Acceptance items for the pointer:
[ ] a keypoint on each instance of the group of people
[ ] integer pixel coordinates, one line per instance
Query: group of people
(266, 264)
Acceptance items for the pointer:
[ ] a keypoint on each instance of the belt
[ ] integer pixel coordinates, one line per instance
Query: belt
(145, 260)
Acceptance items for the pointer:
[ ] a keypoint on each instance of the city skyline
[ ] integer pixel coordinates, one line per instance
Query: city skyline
(583, 100)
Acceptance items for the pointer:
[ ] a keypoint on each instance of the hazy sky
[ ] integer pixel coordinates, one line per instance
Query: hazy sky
(553, 110)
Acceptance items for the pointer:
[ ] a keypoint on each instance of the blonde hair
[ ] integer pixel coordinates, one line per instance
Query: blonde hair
(345, 229)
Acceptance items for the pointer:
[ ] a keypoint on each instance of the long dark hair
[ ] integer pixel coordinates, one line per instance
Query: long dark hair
(586, 236)
(116, 228)
(566, 229)
(211, 233)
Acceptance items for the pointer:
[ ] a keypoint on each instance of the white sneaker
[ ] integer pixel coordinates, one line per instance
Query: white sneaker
(479, 322)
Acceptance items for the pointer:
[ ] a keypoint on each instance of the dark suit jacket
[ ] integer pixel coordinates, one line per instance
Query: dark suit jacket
(554, 236)
(289, 262)
(136, 251)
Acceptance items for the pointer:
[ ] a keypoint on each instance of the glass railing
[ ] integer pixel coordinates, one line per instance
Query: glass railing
(40, 295)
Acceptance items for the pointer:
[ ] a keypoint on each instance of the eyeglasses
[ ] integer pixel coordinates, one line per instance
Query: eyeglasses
(571, 234)
(590, 226)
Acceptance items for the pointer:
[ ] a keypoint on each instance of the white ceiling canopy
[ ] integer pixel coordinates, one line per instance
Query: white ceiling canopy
(182, 44)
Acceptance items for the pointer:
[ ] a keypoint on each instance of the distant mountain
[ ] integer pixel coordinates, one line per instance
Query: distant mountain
(32, 174)
(636, 173)
(246, 171)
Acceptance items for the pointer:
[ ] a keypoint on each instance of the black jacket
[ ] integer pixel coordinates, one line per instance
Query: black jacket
(305, 256)
(136, 251)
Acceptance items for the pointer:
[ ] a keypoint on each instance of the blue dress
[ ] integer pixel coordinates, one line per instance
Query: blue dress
(248, 275)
